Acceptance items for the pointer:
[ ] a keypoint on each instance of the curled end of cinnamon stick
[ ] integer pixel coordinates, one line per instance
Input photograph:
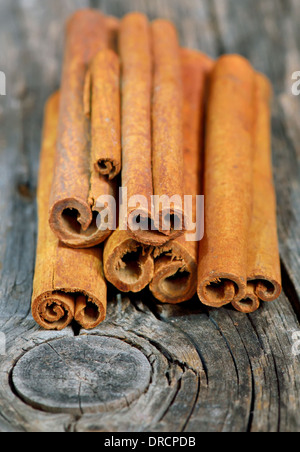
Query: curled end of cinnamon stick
(144, 229)
(91, 24)
(128, 265)
(89, 313)
(221, 290)
(250, 303)
(108, 167)
(175, 274)
(101, 101)
(53, 310)
(266, 289)
(75, 224)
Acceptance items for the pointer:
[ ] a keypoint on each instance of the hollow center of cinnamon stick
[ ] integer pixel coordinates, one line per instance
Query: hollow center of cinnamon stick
(221, 290)
(91, 312)
(71, 223)
(177, 282)
(264, 287)
(171, 223)
(147, 227)
(246, 302)
(130, 266)
(106, 167)
(145, 223)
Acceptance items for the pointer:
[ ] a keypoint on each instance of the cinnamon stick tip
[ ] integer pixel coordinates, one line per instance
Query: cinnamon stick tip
(113, 23)
(83, 14)
(89, 313)
(52, 101)
(173, 283)
(128, 265)
(234, 63)
(268, 290)
(191, 55)
(134, 16)
(222, 290)
(163, 23)
(247, 305)
(108, 167)
(53, 310)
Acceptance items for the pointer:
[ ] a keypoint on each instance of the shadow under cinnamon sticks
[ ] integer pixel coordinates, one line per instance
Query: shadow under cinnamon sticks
(68, 283)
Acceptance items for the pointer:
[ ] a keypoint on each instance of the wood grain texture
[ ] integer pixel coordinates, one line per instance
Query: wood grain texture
(210, 370)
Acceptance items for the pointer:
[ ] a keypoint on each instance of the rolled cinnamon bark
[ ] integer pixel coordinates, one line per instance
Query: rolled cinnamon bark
(128, 264)
(263, 268)
(102, 106)
(222, 269)
(175, 273)
(167, 155)
(76, 184)
(250, 303)
(136, 59)
(68, 283)
(151, 168)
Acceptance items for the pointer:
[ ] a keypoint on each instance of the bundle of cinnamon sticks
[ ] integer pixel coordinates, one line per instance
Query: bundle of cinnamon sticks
(139, 130)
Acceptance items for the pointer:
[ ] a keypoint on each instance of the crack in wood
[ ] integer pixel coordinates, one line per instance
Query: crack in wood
(228, 346)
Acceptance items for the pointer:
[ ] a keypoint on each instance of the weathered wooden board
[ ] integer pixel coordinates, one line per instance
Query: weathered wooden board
(204, 370)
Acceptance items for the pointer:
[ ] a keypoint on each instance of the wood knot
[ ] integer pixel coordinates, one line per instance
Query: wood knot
(82, 374)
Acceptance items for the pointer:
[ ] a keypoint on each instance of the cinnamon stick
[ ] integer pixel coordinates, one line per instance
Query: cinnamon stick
(222, 270)
(263, 268)
(76, 184)
(151, 168)
(68, 283)
(250, 303)
(128, 264)
(167, 157)
(175, 274)
(136, 59)
(102, 106)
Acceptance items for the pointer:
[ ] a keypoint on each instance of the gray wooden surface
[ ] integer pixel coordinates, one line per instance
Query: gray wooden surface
(184, 368)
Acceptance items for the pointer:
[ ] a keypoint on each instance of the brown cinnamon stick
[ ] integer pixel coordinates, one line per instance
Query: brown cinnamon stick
(76, 184)
(128, 265)
(102, 106)
(135, 54)
(222, 270)
(167, 157)
(68, 283)
(263, 268)
(250, 303)
(151, 168)
(175, 274)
